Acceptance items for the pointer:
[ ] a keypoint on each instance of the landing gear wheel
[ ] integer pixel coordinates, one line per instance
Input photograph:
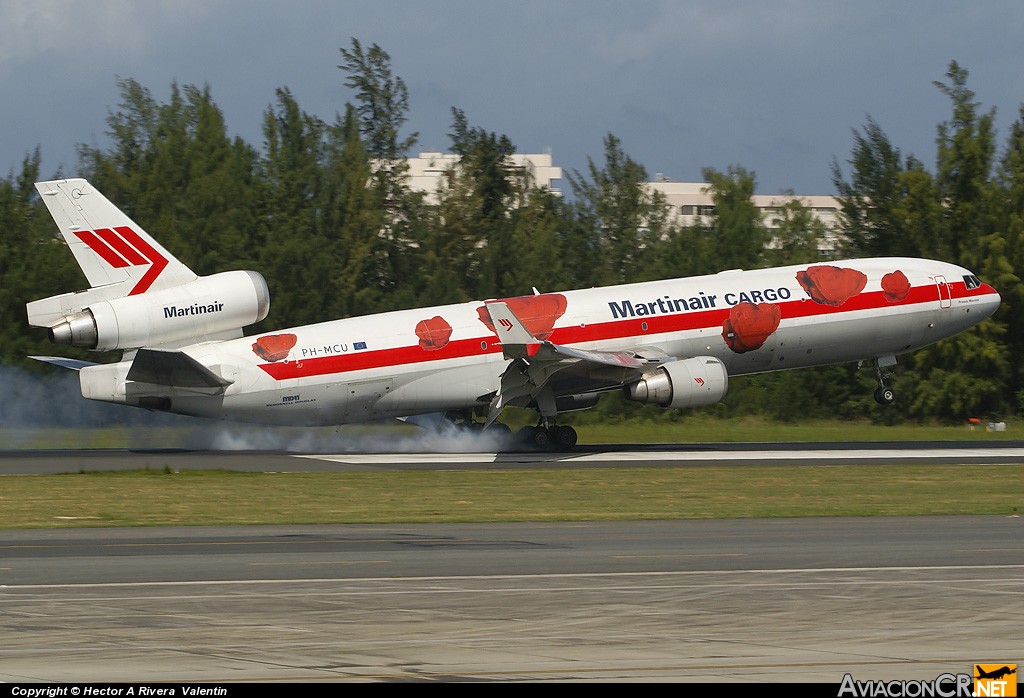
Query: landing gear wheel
(563, 437)
(541, 438)
(526, 436)
(557, 438)
(885, 395)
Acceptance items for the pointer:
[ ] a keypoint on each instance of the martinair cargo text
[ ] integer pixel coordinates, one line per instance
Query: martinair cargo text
(674, 342)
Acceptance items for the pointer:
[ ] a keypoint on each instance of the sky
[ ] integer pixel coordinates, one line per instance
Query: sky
(776, 87)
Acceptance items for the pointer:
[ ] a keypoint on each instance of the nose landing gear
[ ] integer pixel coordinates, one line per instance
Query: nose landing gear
(884, 395)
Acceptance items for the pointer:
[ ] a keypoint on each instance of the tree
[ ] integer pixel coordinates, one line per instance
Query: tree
(373, 274)
(966, 149)
(219, 218)
(738, 236)
(34, 263)
(120, 171)
(455, 249)
(173, 169)
(1005, 269)
(482, 190)
(918, 217)
(965, 375)
(291, 235)
(625, 215)
(382, 101)
(870, 226)
(896, 207)
(539, 255)
(795, 235)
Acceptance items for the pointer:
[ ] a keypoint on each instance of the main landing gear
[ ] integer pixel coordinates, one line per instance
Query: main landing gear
(553, 437)
(548, 437)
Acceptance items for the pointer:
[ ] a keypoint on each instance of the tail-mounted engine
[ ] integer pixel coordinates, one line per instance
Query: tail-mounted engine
(694, 382)
(211, 307)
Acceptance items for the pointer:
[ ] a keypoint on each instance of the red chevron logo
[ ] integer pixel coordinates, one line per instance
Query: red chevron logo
(699, 381)
(123, 247)
(506, 323)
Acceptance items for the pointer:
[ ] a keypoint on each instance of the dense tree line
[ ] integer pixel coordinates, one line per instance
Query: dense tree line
(321, 209)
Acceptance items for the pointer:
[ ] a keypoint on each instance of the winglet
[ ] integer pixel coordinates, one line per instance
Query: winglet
(517, 342)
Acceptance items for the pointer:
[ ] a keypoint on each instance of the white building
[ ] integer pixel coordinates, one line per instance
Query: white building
(691, 204)
(425, 173)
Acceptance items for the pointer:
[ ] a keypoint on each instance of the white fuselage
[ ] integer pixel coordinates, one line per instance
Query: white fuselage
(447, 358)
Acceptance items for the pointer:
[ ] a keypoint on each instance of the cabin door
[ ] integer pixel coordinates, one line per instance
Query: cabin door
(945, 293)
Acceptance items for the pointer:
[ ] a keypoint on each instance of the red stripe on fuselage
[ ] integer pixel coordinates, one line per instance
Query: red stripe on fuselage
(362, 360)
(595, 332)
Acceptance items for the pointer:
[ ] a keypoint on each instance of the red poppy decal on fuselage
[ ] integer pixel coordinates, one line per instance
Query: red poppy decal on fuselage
(433, 333)
(274, 347)
(538, 313)
(895, 286)
(749, 326)
(829, 285)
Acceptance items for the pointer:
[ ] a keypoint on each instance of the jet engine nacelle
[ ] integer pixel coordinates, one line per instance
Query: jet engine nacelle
(694, 382)
(211, 307)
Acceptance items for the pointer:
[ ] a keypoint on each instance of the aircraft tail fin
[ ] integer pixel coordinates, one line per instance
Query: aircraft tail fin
(108, 245)
(140, 295)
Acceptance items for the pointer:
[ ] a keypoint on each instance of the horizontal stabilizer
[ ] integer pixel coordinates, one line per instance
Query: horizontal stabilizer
(73, 364)
(172, 368)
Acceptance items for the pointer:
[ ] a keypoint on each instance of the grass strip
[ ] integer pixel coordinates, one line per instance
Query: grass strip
(163, 497)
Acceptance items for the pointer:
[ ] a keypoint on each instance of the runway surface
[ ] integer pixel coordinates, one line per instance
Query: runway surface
(731, 601)
(618, 455)
(792, 600)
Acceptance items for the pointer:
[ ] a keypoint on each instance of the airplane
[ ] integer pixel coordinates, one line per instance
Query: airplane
(995, 674)
(674, 342)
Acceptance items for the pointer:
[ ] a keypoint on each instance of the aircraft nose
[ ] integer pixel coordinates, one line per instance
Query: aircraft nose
(991, 301)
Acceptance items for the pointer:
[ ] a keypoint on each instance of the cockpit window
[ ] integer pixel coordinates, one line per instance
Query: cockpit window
(972, 282)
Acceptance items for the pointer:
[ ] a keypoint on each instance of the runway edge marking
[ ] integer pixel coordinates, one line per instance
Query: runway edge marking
(556, 575)
(822, 454)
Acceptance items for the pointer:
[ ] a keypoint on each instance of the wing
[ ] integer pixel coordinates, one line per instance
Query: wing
(542, 371)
